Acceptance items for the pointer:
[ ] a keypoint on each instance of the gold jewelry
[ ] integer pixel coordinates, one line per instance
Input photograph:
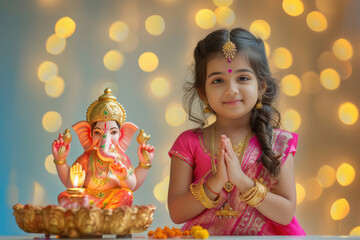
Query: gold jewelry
(106, 108)
(145, 165)
(98, 181)
(198, 192)
(259, 104)
(122, 178)
(256, 195)
(59, 161)
(207, 108)
(229, 49)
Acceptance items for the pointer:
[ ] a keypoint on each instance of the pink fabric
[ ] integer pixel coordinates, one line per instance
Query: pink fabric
(189, 146)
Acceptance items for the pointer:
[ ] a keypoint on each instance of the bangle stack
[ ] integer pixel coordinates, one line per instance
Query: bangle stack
(198, 191)
(255, 195)
(145, 165)
(59, 161)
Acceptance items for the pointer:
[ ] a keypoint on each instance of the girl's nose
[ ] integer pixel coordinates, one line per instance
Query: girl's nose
(232, 88)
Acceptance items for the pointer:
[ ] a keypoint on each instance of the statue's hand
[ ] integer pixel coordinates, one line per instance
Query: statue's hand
(120, 170)
(77, 171)
(150, 150)
(60, 149)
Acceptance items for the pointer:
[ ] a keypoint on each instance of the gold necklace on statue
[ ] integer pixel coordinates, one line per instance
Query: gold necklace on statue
(99, 181)
(239, 150)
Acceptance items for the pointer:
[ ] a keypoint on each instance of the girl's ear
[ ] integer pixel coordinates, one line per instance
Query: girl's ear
(262, 87)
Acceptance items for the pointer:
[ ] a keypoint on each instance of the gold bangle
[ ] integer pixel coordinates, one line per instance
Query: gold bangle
(145, 165)
(254, 196)
(59, 161)
(122, 178)
(198, 192)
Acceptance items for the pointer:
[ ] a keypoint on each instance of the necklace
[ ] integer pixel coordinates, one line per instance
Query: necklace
(239, 150)
(98, 181)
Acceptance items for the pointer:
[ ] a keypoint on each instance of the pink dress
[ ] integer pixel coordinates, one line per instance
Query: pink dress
(189, 146)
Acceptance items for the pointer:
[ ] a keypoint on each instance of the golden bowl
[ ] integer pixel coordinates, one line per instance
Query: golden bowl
(83, 222)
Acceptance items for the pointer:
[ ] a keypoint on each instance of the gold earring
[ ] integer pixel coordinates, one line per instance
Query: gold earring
(259, 104)
(207, 108)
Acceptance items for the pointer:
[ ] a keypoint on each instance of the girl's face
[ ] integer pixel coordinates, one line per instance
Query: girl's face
(231, 88)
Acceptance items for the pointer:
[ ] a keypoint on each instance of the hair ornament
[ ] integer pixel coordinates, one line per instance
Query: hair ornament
(229, 49)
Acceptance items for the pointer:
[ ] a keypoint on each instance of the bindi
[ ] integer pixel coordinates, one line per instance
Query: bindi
(229, 71)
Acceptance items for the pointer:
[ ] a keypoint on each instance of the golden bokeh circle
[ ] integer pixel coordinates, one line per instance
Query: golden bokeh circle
(326, 176)
(261, 29)
(329, 60)
(155, 25)
(223, 3)
(348, 113)
(148, 61)
(113, 60)
(225, 16)
(355, 231)
(160, 87)
(330, 79)
(293, 7)
(291, 120)
(339, 209)
(300, 193)
(51, 121)
(313, 189)
(282, 58)
(54, 87)
(55, 44)
(47, 70)
(49, 164)
(291, 85)
(345, 174)
(316, 21)
(342, 49)
(65, 27)
(161, 190)
(175, 114)
(205, 18)
(267, 49)
(118, 31)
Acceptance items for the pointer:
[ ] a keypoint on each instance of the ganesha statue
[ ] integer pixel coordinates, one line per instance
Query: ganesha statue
(103, 171)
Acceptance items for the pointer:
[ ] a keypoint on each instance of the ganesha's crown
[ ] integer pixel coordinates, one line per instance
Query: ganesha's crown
(106, 108)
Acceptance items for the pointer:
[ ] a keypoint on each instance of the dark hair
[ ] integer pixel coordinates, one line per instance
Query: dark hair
(263, 120)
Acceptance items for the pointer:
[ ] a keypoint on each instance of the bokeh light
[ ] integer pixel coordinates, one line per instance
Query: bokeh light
(282, 58)
(348, 113)
(175, 114)
(161, 190)
(339, 209)
(223, 3)
(38, 196)
(49, 164)
(65, 27)
(330, 79)
(225, 16)
(345, 174)
(47, 70)
(205, 18)
(261, 29)
(55, 44)
(113, 60)
(291, 85)
(329, 60)
(293, 7)
(51, 121)
(300, 193)
(267, 49)
(54, 87)
(160, 87)
(148, 62)
(118, 31)
(316, 21)
(155, 25)
(291, 120)
(342, 49)
(313, 189)
(355, 231)
(326, 176)
(311, 82)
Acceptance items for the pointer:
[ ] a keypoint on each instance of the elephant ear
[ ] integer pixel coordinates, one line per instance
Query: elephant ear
(83, 130)
(127, 130)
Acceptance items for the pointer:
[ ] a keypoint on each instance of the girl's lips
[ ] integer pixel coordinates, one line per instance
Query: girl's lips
(232, 102)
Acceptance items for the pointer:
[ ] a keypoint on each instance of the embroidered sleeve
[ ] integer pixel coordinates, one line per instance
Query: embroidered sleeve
(284, 143)
(183, 148)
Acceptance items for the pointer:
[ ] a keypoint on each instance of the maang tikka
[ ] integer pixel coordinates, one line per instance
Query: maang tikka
(229, 49)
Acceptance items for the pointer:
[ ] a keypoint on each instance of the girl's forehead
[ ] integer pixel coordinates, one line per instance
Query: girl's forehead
(219, 61)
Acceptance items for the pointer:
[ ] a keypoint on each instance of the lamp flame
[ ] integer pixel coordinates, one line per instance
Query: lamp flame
(76, 181)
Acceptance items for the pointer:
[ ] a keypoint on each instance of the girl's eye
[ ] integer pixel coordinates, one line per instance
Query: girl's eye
(216, 81)
(243, 78)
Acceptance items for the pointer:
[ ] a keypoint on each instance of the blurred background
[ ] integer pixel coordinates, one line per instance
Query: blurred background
(58, 56)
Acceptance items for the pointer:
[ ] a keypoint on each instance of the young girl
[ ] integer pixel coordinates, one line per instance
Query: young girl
(236, 176)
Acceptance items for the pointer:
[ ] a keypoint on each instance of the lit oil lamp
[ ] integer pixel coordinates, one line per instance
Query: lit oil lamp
(76, 193)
